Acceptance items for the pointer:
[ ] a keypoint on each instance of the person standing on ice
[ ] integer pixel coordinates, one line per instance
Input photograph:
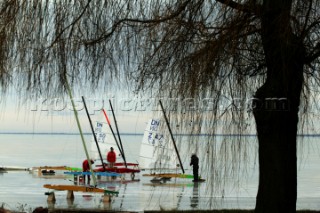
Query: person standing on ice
(111, 158)
(86, 168)
(195, 163)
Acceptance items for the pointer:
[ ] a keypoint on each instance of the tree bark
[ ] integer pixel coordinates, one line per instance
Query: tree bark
(277, 132)
(276, 110)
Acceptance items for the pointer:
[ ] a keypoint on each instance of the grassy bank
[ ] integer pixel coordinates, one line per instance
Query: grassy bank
(174, 211)
(45, 210)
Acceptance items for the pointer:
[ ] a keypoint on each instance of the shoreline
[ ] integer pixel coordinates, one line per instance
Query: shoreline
(83, 210)
(168, 211)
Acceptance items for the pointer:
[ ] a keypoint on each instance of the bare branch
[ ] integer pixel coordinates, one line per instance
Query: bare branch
(70, 25)
(304, 31)
(246, 8)
(155, 20)
(314, 55)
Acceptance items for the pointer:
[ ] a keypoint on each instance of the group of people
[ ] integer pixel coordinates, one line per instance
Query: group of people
(111, 159)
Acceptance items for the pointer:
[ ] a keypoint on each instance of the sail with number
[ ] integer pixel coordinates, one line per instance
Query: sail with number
(156, 153)
(105, 139)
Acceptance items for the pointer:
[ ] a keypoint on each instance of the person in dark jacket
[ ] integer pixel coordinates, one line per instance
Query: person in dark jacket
(195, 163)
(86, 168)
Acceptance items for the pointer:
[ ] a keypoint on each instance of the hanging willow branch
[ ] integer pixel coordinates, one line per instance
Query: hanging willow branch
(203, 58)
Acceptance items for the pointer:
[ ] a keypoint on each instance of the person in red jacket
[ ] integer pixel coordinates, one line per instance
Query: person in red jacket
(111, 158)
(86, 168)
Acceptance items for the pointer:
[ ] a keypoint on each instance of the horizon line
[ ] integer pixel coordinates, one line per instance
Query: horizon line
(131, 133)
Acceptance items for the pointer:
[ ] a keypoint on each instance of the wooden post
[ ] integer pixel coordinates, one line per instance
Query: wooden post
(39, 171)
(51, 197)
(75, 179)
(106, 198)
(70, 195)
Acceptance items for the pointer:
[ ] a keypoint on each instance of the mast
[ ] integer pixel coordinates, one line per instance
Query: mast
(114, 136)
(174, 143)
(115, 122)
(94, 135)
(80, 130)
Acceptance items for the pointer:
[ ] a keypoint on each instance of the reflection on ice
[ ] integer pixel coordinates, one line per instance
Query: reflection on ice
(21, 188)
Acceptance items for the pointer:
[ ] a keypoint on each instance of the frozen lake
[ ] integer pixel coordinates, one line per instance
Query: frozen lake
(24, 191)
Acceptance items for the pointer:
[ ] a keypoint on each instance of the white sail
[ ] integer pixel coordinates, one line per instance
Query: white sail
(156, 153)
(105, 139)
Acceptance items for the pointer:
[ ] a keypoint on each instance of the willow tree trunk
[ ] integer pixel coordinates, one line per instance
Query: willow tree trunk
(276, 110)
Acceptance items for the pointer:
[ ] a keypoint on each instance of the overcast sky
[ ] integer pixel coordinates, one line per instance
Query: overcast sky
(57, 115)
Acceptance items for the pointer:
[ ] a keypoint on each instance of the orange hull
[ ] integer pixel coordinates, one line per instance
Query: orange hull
(79, 188)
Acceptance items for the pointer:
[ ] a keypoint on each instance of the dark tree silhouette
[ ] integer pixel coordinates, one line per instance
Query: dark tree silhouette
(217, 51)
